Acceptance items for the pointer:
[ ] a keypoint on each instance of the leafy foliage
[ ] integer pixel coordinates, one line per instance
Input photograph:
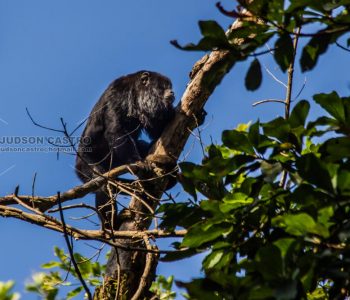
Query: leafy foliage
(268, 237)
(162, 288)
(47, 285)
(6, 292)
(278, 20)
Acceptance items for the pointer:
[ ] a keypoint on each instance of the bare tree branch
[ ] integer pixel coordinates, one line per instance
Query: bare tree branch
(70, 249)
(268, 101)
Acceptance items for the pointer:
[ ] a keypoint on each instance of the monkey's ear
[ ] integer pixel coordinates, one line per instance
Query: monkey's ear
(145, 78)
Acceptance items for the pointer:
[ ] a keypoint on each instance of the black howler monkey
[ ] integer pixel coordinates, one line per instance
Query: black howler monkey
(142, 101)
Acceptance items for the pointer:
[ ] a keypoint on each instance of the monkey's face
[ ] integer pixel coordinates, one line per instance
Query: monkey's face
(169, 96)
(158, 86)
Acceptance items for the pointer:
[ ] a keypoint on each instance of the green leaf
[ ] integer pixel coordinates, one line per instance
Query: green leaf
(95, 282)
(212, 259)
(299, 114)
(6, 292)
(343, 181)
(254, 134)
(51, 264)
(212, 29)
(178, 214)
(84, 263)
(316, 46)
(199, 235)
(300, 225)
(336, 148)
(188, 185)
(270, 170)
(287, 290)
(278, 128)
(333, 104)
(237, 140)
(314, 171)
(60, 254)
(205, 44)
(194, 171)
(214, 151)
(253, 78)
(284, 245)
(178, 255)
(200, 289)
(269, 262)
(284, 51)
(322, 121)
(162, 288)
(276, 10)
(212, 206)
(235, 200)
(306, 195)
(301, 4)
(260, 293)
(213, 37)
(74, 292)
(324, 216)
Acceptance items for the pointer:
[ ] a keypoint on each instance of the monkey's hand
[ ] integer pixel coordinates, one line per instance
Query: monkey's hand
(200, 118)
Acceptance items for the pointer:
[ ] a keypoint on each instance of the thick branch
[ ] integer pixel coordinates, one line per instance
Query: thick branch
(45, 203)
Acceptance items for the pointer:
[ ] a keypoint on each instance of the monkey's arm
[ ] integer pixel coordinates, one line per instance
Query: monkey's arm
(90, 148)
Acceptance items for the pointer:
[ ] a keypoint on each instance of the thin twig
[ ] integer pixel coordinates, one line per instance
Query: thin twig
(289, 94)
(342, 47)
(260, 53)
(33, 186)
(149, 208)
(33, 209)
(290, 75)
(81, 205)
(41, 126)
(301, 90)
(268, 101)
(274, 77)
(86, 217)
(70, 249)
(199, 135)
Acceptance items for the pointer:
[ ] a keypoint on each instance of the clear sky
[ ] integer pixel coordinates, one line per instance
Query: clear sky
(57, 57)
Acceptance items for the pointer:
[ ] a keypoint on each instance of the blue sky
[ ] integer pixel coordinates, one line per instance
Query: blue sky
(57, 57)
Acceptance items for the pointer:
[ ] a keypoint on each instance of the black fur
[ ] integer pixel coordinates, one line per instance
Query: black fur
(137, 102)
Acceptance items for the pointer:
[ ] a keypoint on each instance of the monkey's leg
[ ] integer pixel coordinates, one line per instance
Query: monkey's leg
(105, 204)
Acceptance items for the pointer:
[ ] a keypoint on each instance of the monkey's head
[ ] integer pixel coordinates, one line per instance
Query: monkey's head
(153, 95)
